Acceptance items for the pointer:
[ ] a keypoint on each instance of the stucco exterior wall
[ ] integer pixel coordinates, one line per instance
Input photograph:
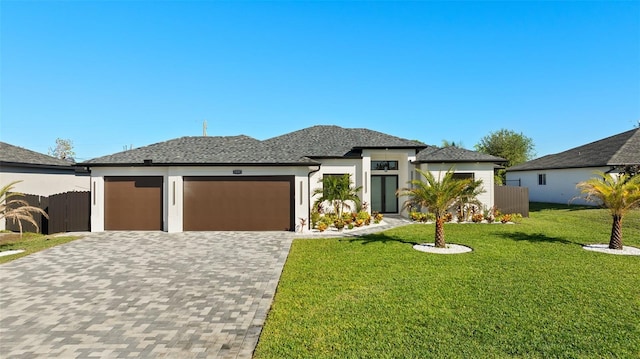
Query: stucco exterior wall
(173, 188)
(481, 171)
(42, 181)
(560, 184)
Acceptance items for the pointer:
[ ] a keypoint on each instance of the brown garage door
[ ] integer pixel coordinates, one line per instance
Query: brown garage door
(238, 203)
(133, 203)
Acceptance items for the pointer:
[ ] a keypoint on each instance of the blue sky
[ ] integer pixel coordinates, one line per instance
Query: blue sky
(109, 74)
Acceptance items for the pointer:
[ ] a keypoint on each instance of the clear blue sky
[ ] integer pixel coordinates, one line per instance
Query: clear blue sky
(109, 74)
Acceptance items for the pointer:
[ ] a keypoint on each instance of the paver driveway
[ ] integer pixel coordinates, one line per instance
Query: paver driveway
(142, 294)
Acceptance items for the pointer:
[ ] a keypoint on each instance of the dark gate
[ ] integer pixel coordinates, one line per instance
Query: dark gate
(510, 199)
(68, 212)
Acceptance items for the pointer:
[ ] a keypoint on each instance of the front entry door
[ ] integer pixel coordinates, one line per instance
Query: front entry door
(383, 193)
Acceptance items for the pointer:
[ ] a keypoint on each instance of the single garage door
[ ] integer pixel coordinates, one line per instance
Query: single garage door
(238, 203)
(133, 203)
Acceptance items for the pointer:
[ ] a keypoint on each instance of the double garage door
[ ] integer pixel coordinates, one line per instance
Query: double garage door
(262, 203)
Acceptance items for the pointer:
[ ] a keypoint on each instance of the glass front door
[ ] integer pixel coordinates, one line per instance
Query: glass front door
(383, 193)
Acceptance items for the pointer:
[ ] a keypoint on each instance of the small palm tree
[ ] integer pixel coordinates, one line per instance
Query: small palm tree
(337, 190)
(619, 195)
(439, 195)
(13, 207)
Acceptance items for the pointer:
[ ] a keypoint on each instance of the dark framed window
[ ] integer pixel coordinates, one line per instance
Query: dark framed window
(464, 175)
(542, 179)
(384, 165)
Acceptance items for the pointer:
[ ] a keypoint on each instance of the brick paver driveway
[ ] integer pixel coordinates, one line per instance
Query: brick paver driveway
(142, 294)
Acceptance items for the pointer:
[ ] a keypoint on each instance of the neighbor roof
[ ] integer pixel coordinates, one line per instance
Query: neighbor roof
(14, 155)
(210, 150)
(618, 150)
(334, 141)
(454, 154)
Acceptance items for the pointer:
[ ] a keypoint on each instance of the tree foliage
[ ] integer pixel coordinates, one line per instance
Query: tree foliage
(515, 147)
(438, 195)
(618, 194)
(338, 191)
(14, 208)
(63, 150)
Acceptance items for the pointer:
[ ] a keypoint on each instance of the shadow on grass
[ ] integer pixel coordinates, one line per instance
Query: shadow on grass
(542, 206)
(378, 238)
(536, 238)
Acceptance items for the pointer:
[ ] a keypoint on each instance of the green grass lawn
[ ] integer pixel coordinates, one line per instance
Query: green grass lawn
(30, 242)
(527, 290)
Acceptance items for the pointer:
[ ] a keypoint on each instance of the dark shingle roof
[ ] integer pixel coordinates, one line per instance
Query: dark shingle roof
(335, 141)
(10, 154)
(297, 147)
(203, 150)
(454, 154)
(620, 149)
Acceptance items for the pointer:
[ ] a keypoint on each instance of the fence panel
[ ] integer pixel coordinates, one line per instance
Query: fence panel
(510, 199)
(69, 212)
(35, 201)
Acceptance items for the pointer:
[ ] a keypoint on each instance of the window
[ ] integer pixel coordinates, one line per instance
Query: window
(463, 175)
(384, 165)
(542, 179)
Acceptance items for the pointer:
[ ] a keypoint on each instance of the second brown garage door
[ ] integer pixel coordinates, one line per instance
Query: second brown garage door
(238, 203)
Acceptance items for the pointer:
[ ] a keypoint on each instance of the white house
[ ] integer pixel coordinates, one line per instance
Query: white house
(553, 178)
(240, 183)
(39, 174)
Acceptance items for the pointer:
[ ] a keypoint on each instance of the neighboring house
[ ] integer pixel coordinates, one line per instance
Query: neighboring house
(240, 183)
(40, 174)
(553, 178)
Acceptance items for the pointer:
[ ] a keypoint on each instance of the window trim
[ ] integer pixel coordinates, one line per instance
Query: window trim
(542, 179)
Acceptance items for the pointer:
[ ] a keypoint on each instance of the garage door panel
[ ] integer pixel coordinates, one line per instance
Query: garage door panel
(246, 203)
(133, 203)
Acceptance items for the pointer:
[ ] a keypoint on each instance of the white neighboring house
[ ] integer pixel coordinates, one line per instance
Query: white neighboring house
(553, 178)
(40, 174)
(241, 183)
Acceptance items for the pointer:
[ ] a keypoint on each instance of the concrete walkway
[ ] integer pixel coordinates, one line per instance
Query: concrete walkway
(145, 294)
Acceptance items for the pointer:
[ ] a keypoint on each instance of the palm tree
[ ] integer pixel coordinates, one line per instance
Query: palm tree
(617, 194)
(13, 207)
(439, 195)
(337, 190)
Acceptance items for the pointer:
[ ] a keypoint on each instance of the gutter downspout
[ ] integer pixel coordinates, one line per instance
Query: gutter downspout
(309, 193)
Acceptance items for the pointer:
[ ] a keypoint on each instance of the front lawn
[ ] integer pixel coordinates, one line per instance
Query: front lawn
(30, 242)
(527, 290)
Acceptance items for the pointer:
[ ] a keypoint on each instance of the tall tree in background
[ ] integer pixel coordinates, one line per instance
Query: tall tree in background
(446, 143)
(515, 147)
(63, 150)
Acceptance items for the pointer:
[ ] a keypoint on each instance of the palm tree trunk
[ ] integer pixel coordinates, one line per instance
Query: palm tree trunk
(616, 233)
(440, 243)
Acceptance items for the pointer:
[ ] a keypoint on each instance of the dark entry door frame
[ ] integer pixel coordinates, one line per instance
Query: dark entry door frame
(386, 188)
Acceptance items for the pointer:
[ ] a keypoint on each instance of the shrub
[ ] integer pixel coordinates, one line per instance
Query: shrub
(322, 226)
(477, 218)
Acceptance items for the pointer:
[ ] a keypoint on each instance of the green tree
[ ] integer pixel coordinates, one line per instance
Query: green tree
(446, 143)
(63, 150)
(618, 194)
(14, 208)
(337, 190)
(439, 195)
(515, 147)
